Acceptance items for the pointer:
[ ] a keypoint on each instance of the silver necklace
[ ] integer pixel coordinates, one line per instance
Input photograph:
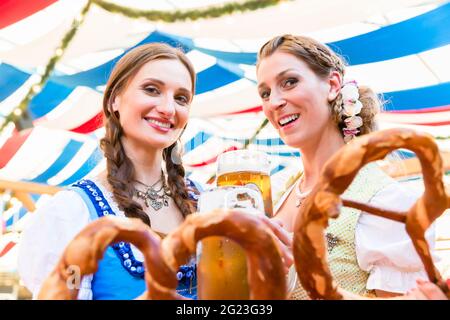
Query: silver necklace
(300, 195)
(156, 198)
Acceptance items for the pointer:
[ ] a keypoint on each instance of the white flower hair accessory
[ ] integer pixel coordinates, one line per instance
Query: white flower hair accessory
(351, 107)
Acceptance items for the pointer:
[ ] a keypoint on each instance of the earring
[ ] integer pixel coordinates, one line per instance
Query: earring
(175, 154)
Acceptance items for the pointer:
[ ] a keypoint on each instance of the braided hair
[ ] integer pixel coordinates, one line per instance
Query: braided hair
(120, 169)
(322, 61)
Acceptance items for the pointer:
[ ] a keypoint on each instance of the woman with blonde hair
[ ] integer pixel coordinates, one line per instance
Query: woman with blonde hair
(306, 99)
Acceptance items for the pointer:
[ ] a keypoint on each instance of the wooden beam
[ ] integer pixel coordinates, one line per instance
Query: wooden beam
(26, 200)
(28, 187)
(410, 167)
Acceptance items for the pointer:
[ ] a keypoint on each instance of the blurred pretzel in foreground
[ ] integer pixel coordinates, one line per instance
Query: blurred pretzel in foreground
(266, 276)
(325, 202)
(163, 258)
(87, 248)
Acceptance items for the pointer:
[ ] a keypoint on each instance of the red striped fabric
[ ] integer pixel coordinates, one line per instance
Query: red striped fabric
(6, 249)
(430, 110)
(212, 160)
(12, 145)
(12, 11)
(433, 124)
(254, 109)
(91, 125)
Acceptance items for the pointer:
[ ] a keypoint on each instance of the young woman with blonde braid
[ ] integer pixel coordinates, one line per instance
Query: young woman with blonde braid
(146, 108)
(304, 95)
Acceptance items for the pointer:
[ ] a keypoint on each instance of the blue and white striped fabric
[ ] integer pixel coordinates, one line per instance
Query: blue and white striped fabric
(226, 85)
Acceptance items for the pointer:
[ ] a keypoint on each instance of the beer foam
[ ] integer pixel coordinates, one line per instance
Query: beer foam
(243, 160)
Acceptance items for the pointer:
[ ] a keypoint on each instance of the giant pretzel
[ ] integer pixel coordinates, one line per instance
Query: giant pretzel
(162, 259)
(266, 276)
(87, 248)
(324, 202)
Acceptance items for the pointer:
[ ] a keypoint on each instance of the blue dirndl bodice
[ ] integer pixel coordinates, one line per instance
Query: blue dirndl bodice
(120, 276)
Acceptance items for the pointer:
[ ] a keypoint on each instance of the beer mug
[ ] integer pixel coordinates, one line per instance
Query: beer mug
(222, 263)
(246, 168)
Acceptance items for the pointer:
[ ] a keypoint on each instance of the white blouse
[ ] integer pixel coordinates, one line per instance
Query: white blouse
(383, 248)
(50, 229)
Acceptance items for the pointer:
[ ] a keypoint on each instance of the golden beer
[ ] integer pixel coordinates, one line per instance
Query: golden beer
(249, 169)
(220, 272)
(253, 180)
(222, 268)
(222, 263)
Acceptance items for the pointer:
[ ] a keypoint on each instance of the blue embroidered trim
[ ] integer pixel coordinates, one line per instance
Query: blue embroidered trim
(192, 195)
(122, 249)
(186, 274)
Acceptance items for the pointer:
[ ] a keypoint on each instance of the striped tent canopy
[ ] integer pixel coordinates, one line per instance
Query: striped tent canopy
(403, 55)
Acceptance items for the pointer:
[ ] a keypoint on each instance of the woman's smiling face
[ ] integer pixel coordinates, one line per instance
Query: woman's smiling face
(294, 98)
(154, 106)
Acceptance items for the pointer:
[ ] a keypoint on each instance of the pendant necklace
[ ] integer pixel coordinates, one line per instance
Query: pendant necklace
(300, 195)
(156, 198)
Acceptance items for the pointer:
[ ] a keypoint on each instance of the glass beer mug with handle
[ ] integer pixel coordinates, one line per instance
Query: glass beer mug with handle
(246, 168)
(222, 263)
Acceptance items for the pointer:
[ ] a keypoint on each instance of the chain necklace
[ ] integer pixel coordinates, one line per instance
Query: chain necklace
(300, 195)
(156, 198)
